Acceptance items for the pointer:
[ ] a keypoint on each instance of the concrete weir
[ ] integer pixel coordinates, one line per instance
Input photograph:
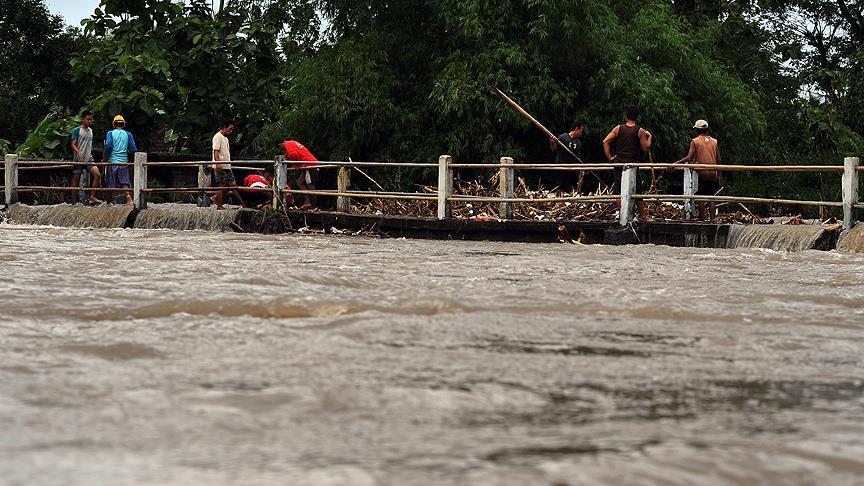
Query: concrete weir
(682, 234)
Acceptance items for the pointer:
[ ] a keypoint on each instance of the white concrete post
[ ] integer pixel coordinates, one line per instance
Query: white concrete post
(139, 181)
(11, 165)
(445, 187)
(628, 204)
(505, 184)
(343, 181)
(204, 180)
(691, 186)
(281, 173)
(850, 191)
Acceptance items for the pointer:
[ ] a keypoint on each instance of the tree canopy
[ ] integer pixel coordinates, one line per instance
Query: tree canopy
(408, 79)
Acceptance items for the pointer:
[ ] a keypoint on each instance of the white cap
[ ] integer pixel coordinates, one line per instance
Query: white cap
(701, 124)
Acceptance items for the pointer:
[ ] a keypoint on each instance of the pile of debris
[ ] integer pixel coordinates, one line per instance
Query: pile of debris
(540, 211)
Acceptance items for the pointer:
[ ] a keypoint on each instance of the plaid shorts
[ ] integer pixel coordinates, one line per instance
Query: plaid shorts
(223, 178)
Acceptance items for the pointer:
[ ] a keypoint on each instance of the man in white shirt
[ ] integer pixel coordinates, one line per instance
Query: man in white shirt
(223, 176)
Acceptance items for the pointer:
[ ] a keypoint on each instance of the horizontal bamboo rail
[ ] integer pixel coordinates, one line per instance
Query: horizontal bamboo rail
(755, 200)
(582, 199)
(61, 188)
(444, 195)
(367, 195)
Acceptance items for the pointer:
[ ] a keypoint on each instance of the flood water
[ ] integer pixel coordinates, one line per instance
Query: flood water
(193, 358)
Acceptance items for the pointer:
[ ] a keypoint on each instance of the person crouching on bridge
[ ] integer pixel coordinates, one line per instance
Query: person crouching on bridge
(631, 143)
(295, 151)
(258, 198)
(82, 152)
(704, 150)
(118, 145)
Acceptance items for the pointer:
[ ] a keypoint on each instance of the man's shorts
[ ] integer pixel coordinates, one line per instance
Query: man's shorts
(708, 188)
(223, 178)
(308, 177)
(80, 169)
(117, 176)
(643, 181)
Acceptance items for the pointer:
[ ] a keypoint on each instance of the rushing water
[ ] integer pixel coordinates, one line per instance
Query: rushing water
(169, 357)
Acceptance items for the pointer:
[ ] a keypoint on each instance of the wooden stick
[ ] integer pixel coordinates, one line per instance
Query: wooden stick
(367, 175)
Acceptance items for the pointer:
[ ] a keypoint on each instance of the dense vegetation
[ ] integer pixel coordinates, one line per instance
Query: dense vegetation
(407, 79)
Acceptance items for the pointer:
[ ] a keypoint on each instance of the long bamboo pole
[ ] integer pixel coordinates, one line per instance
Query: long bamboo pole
(549, 134)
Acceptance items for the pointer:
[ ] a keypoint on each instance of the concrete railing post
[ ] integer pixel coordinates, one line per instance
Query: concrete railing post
(505, 184)
(691, 186)
(445, 187)
(204, 180)
(850, 191)
(11, 166)
(343, 181)
(628, 204)
(139, 181)
(281, 173)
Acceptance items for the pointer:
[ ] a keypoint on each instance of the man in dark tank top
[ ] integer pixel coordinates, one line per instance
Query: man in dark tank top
(627, 144)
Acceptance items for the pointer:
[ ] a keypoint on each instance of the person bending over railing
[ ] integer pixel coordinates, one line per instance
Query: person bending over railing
(295, 151)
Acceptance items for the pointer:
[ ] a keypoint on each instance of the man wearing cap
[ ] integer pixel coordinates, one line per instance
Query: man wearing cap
(704, 150)
(118, 145)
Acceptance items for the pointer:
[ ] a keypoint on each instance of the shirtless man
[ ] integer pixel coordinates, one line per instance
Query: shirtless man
(704, 150)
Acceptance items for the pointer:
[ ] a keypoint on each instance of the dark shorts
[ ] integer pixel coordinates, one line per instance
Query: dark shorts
(223, 178)
(708, 188)
(643, 181)
(307, 177)
(80, 169)
(117, 176)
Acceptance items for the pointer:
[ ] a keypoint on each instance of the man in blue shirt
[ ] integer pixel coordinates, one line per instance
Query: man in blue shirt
(118, 145)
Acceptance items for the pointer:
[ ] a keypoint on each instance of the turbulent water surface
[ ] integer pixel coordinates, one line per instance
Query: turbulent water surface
(169, 357)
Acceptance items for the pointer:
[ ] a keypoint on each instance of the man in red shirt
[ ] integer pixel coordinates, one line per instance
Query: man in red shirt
(258, 181)
(296, 152)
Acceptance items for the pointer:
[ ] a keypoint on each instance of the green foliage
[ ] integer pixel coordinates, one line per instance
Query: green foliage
(179, 66)
(35, 66)
(50, 138)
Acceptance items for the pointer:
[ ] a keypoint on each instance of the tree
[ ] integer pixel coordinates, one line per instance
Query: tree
(35, 62)
(181, 67)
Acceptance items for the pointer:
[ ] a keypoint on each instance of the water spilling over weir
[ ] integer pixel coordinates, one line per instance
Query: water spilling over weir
(853, 239)
(780, 237)
(185, 217)
(688, 234)
(68, 216)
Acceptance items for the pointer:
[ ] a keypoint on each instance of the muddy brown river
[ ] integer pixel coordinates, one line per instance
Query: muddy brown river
(139, 357)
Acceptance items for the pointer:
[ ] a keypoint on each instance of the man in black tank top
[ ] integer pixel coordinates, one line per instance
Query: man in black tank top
(627, 144)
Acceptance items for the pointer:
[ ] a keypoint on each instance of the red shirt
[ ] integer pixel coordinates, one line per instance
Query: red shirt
(296, 151)
(250, 180)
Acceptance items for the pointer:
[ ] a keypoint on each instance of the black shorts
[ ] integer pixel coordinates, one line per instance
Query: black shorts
(223, 178)
(307, 177)
(643, 181)
(708, 188)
